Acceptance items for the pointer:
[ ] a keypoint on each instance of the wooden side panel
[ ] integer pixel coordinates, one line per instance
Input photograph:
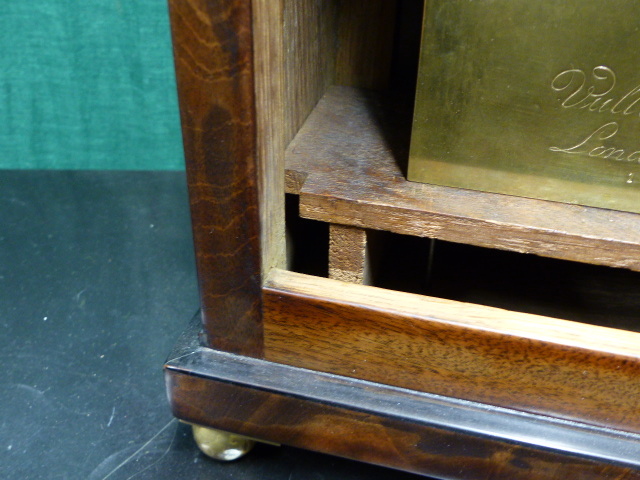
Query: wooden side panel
(520, 361)
(365, 31)
(214, 66)
(310, 45)
(294, 44)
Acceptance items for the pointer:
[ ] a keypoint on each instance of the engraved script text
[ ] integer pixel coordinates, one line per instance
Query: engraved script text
(594, 95)
(597, 95)
(592, 146)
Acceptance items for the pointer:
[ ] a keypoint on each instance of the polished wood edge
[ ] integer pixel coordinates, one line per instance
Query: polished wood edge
(400, 428)
(213, 54)
(527, 362)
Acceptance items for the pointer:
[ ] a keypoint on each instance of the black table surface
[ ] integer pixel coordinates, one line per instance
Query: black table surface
(97, 280)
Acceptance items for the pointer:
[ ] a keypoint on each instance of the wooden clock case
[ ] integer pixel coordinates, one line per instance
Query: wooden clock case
(313, 98)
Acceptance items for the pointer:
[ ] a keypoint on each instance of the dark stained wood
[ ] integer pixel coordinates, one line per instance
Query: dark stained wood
(348, 154)
(526, 362)
(212, 42)
(374, 439)
(433, 436)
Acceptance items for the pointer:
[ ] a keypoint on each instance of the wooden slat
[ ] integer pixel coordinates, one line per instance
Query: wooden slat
(521, 361)
(349, 152)
(294, 47)
(214, 67)
(269, 59)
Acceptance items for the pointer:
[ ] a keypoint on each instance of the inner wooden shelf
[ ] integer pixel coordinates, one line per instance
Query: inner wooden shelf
(346, 164)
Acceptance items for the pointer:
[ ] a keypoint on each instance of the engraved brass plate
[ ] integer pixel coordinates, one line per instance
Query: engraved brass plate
(532, 98)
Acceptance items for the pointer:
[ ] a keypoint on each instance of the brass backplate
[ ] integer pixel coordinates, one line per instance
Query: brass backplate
(536, 98)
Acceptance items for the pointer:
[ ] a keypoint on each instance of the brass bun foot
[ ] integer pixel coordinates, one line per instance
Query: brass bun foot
(221, 445)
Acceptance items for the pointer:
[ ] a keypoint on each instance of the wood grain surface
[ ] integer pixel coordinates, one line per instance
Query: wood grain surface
(294, 45)
(520, 361)
(310, 42)
(365, 43)
(386, 436)
(348, 259)
(350, 154)
(269, 64)
(214, 66)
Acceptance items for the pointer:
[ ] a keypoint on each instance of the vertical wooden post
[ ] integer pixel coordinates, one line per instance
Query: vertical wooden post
(348, 257)
(214, 67)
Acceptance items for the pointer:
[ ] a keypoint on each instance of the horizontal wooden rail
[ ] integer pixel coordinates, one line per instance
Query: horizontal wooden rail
(525, 362)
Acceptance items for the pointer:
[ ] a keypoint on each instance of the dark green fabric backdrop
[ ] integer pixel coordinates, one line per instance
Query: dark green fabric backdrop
(87, 84)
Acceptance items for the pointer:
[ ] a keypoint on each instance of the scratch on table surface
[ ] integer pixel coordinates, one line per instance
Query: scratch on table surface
(175, 433)
(136, 453)
(31, 389)
(113, 413)
(46, 401)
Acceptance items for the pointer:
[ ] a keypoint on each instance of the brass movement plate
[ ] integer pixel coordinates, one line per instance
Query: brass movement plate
(538, 99)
